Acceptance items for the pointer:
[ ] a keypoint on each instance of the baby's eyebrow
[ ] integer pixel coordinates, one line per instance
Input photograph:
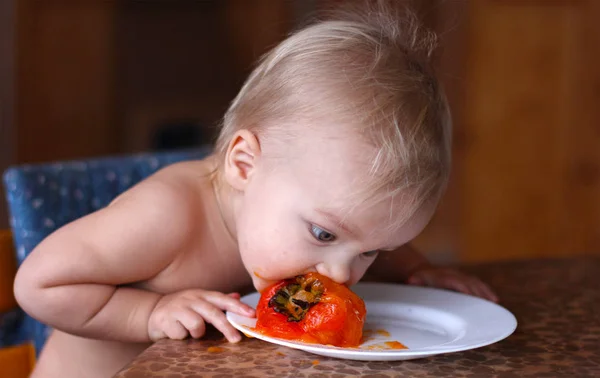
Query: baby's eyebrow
(391, 249)
(344, 225)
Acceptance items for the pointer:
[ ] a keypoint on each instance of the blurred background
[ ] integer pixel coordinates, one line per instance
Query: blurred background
(89, 78)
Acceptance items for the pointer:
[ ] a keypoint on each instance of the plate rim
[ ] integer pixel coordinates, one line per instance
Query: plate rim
(400, 353)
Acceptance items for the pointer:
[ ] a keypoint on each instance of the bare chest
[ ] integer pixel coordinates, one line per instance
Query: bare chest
(201, 266)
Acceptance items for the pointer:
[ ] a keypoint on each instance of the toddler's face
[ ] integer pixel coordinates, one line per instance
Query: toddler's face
(294, 215)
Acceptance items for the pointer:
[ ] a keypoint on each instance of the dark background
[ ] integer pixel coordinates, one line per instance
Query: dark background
(87, 78)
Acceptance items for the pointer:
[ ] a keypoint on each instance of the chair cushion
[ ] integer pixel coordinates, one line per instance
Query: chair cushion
(11, 330)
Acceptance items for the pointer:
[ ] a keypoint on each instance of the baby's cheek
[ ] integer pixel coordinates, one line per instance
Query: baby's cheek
(358, 271)
(282, 264)
(275, 251)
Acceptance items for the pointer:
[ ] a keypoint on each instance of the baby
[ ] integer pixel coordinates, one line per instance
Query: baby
(332, 158)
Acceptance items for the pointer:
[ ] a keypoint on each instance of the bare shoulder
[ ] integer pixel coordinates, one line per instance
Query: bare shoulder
(174, 191)
(151, 222)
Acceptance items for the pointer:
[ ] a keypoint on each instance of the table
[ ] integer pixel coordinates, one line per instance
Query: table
(556, 302)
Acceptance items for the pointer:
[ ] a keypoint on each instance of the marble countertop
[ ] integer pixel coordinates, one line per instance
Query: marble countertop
(556, 302)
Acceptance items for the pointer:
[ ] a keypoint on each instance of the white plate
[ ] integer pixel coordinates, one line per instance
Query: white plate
(428, 321)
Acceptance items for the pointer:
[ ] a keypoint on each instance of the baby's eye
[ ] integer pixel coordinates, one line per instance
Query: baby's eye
(370, 254)
(321, 235)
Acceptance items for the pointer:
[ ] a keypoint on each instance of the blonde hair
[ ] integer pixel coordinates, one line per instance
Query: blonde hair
(368, 65)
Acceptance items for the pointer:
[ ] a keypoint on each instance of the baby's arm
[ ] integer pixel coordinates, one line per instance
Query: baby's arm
(75, 280)
(410, 266)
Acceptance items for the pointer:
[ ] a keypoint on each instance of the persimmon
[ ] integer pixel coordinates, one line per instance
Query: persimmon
(311, 308)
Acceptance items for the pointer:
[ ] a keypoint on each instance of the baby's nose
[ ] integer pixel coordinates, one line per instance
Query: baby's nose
(340, 273)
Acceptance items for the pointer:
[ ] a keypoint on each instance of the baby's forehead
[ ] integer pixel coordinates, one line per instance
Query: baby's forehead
(330, 163)
(339, 164)
(325, 138)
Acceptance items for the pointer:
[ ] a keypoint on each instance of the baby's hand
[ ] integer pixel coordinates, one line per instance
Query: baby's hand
(178, 315)
(447, 278)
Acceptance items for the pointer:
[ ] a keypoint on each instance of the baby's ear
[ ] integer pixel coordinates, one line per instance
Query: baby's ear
(241, 158)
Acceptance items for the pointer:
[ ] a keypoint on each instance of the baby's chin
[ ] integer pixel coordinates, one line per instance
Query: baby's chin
(261, 283)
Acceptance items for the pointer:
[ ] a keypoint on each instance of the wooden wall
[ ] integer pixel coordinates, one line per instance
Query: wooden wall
(531, 167)
(7, 69)
(184, 61)
(65, 83)
(97, 77)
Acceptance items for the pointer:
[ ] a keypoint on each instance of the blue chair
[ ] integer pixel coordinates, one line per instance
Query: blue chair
(43, 197)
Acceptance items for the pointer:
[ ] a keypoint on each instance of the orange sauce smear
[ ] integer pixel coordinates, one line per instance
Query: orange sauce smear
(247, 335)
(214, 349)
(315, 362)
(367, 336)
(370, 334)
(387, 345)
(395, 345)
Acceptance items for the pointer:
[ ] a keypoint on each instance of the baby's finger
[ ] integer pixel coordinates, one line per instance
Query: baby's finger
(456, 284)
(229, 303)
(217, 318)
(157, 334)
(192, 321)
(430, 278)
(174, 329)
(415, 280)
(487, 293)
(477, 287)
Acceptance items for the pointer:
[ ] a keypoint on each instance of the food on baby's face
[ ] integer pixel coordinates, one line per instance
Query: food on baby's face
(311, 308)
